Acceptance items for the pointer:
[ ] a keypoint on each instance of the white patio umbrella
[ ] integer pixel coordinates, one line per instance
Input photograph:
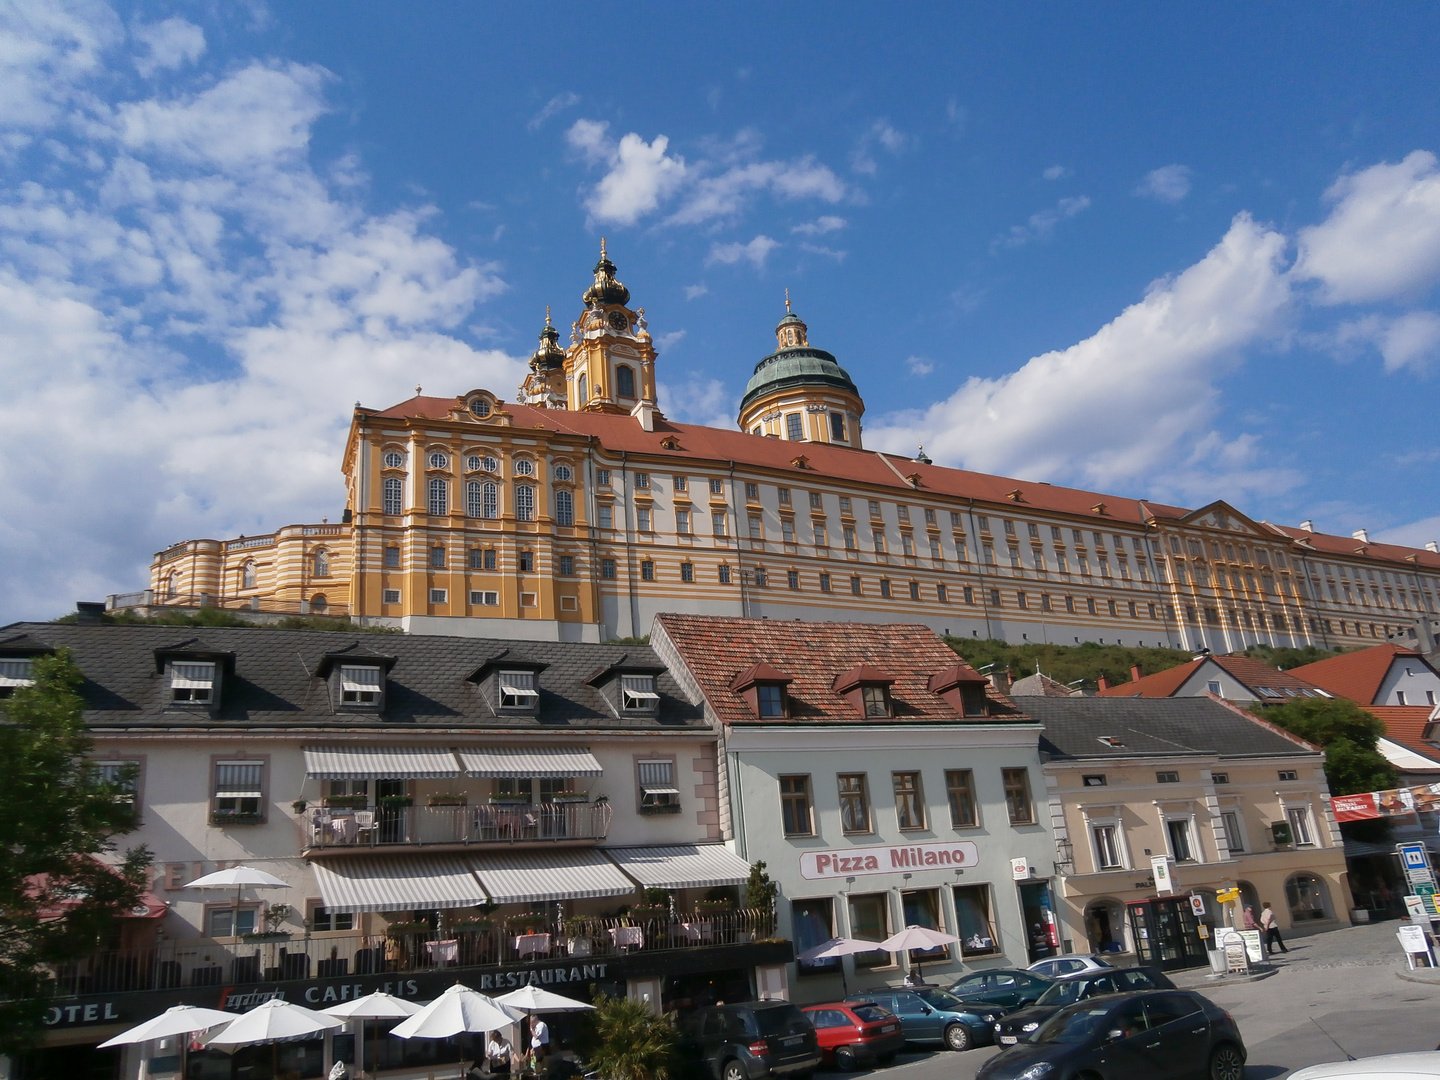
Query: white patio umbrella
(917, 937)
(237, 878)
(181, 1020)
(535, 999)
(274, 1022)
(456, 1011)
(376, 1006)
(835, 948)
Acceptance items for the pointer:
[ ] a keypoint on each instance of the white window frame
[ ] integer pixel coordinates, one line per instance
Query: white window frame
(390, 596)
(439, 596)
(657, 783)
(1106, 817)
(1192, 839)
(484, 598)
(192, 682)
(637, 694)
(1300, 818)
(360, 684)
(245, 799)
(517, 690)
(1234, 836)
(524, 502)
(564, 508)
(393, 496)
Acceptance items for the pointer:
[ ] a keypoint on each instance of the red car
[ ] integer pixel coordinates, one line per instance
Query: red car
(853, 1034)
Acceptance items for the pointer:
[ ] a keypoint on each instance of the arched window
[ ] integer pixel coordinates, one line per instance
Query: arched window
(582, 397)
(318, 603)
(394, 495)
(524, 502)
(439, 498)
(322, 563)
(524, 467)
(564, 508)
(625, 381)
(1308, 898)
(247, 575)
(490, 500)
(473, 502)
(172, 585)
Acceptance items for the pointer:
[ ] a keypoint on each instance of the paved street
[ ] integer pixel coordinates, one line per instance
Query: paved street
(1341, 985)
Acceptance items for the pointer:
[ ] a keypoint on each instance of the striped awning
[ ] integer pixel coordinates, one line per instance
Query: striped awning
(397, 883)
(517, 761)
(682, 866)
(523, 877)
(380, 762)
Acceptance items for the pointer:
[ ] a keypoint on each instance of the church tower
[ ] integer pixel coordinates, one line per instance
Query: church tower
(800, 393)
(545, 385)
(610, 365)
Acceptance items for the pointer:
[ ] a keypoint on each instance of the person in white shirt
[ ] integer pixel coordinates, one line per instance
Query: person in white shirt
(497, 1054)
(539, 1039)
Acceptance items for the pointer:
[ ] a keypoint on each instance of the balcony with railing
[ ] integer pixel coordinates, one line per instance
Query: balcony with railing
(345, 828)
(468, 942)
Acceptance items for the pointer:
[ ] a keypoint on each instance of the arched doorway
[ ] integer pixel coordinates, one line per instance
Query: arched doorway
(1308, 898)
(1105, 925)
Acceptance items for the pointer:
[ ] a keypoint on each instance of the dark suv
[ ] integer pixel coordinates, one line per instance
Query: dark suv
(1017, 1026)
(751, 1041)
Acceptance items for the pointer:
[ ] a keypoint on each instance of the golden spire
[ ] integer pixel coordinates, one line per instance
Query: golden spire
(787, 301)
(602, 247)
(547, 314)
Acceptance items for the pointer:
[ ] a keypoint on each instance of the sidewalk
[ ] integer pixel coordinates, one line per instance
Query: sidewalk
(1363, 945)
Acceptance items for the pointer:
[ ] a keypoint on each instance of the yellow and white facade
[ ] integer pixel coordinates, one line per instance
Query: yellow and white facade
(579, 511)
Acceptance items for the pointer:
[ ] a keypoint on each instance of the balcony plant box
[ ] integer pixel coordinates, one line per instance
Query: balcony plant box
(569, 797)
(714, 907)
(472, 926)
(351, 802)
(509, 800)
(647, 912)
(400, 929)
(446, 800)
(527, 924)
(263, 936)
(396, 802)
(235, 817)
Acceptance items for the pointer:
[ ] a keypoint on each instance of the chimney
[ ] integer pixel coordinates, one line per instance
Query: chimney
(1135, 673)
(1308, 525)
(1431, 545)
(89, 611)
(1000, 680)
(1362, 535)
(645, 412)
(1102, 683)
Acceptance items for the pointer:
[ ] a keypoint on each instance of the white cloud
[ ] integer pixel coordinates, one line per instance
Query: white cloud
(1413, 534)
(698, 400)
(172, 43)
(956, 114)
(1056, 172)
(880, 134)
(1106, 410)
(1411, 340)
(1382, 238)
(694, 291)
(664, 341)
(1169, 183)
(1042, 223)
(824, 252)
(641, 176)
(820, 226)
(919, 366)
(557, 104)
(183, 335)
(756, 251)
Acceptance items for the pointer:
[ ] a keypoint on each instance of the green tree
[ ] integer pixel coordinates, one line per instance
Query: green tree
(56, 815)
(760, 891)
(624, 1040)
(1348, 734)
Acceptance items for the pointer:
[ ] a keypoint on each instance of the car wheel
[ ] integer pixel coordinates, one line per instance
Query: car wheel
(958, 1037)
(845, 1059)
(733, 1070)
(1226, 1062)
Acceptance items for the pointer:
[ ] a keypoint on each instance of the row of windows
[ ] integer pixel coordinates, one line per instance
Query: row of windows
(1110, 849)
(482, 500)
(797, 805)
(795, 427)
(813, 923)
(394, 459)
(482, 559)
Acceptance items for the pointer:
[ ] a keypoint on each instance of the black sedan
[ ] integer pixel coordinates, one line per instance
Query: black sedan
(1155, 1035)
(1017, 1026)
(1009, 988)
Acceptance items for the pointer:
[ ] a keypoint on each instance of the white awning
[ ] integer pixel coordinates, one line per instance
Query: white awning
(397, 883)
(682, 866)
(525, 877)
(518, 691)
(380, 762)
(192, 676)
(359, 678)
(17, 673)
(517, 761)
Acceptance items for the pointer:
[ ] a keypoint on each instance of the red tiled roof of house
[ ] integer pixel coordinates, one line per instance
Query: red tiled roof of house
(715, 648)
(1407, 725)
(1249, 673)
(1330, 544)
(1356, 675)
(1161, 684)
(1252, 673)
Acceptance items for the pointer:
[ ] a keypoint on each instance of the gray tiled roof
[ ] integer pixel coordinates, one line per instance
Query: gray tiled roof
(1151, 727)
(273, 681)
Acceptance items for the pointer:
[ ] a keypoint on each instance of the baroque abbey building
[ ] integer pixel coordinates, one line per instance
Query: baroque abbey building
(578, 512)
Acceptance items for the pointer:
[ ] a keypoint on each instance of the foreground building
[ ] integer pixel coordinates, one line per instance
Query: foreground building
(579, 512)
(439, 808)
(1228, 799)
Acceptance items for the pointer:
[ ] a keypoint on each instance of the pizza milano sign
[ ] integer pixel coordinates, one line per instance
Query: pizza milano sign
(822, 865)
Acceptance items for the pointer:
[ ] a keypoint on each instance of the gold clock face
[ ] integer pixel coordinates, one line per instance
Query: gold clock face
(618, 321)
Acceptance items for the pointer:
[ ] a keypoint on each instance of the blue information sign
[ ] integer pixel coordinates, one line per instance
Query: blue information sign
(1413, 856)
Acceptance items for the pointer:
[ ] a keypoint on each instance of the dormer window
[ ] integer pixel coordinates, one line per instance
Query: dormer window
(973, 700)
(771, 698)
(517, 690)
(192, 682)
(868, 690)
(637, 693)
(15, 673)
(877, 701)
(359, 685)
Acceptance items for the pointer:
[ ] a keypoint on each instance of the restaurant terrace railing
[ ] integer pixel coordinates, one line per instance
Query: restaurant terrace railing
(378, 826)
(463, 942)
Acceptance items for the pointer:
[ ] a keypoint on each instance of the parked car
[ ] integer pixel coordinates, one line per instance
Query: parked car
(1015, 1026)
(854, 1034)
(1058, 966)
(1380, 1067)
(1154, 1035)
(1008, 988)
(751, 1040)
(929, 1014)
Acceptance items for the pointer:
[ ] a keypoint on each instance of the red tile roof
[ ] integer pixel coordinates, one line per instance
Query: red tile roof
(1249, 673)
(1356, 675)
(715, 648)
(1408, 725)
(1329, 544)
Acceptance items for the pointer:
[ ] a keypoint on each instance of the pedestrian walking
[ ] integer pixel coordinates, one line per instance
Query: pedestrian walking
(1272, 932)
(1249, 918)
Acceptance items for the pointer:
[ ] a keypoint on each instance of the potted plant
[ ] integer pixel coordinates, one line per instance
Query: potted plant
(529, 922)
(570, 797)
(400, 929)
(446, 798)
(649, 912)
(396, 802)
(714, 907)
(235, 817)
(353, 802)
(275, 914)
(578, 941)
(474, 924)
(632, 1043)
(299, 806)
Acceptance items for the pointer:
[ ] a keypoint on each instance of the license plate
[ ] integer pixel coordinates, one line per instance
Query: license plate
(1008, 1040)
(793, 1040)
(887, 1029)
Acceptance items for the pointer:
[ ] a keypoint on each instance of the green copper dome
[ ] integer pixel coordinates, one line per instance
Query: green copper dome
(795, 366)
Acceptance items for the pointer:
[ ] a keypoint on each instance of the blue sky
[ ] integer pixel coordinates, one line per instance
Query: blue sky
(1183, 252)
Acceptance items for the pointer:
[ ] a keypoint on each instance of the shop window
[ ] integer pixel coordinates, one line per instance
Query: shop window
(812, 922)
(922, 908)
(1308, 898)
(975, 928)
(870, 921)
